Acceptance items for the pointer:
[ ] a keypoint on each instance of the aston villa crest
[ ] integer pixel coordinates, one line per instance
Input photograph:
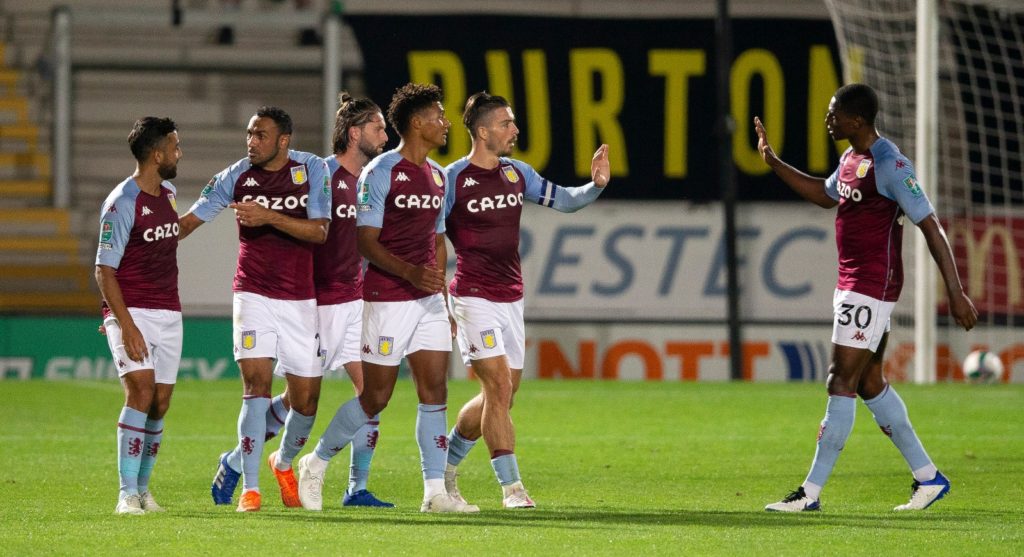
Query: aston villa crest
(510, 173)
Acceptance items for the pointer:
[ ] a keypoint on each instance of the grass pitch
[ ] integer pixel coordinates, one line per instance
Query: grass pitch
(615, 468)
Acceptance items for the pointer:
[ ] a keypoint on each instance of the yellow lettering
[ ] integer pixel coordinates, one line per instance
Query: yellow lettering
(538, 109)
(677, 66)
(762, 63)
(822, 82)
(444, 69)
(595, 121)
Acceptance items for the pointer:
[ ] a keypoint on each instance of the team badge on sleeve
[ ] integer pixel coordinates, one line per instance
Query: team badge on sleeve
(248, 339)
(174, 204)
(437, 178)
(862, 169)
(327, 185)
(299, 174)
(488, 338)
(209, 187)
(385, 345)
(510, 173)
(106, 231)
(912, 185)
(363, 197)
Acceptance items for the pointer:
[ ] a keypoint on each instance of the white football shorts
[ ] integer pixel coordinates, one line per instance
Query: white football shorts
(860, 321)
(488, 329)
(393, 329)
(282, 329)
(341, 329)
(162, 331)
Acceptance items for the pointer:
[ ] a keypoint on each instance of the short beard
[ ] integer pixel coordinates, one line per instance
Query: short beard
(265, 160)
(369, 150)
(167, 172)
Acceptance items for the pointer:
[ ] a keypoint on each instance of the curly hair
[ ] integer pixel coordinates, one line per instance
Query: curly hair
(351, 113)
(478, 106)
(410, 99)
(278, 115)
(147, 134)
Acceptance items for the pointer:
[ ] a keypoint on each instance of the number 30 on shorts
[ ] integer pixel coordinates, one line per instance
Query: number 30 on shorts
(859, 315)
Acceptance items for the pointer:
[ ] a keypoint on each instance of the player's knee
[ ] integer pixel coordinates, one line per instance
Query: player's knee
(372, 405)
(159, 409)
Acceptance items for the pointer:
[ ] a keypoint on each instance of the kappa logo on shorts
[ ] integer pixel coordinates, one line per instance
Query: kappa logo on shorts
(366, 349)
(488, 338)
(859, 336)
(385, 345)
(248, 339)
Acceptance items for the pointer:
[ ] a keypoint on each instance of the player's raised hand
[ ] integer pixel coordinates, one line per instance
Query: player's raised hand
(767, 153)
(963, 311)
(600, 170)
(428, 279)
(251, 214)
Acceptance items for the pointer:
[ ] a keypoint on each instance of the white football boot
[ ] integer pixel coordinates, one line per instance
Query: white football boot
(311, 470)
(445, 503)
(129, 504)
(795, 502)
(149, 504)
(451, 484)
(926, 493)
(514, 496)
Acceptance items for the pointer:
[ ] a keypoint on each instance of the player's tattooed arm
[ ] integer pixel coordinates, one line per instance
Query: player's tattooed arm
(809, 187)
(960, 305)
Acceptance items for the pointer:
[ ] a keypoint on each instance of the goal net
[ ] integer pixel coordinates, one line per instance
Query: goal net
(978, 192)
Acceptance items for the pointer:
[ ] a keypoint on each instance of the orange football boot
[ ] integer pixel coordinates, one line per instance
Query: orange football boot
(249, 502)
(286, 481)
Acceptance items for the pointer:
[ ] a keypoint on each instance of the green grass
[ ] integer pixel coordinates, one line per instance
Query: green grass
(615, 467)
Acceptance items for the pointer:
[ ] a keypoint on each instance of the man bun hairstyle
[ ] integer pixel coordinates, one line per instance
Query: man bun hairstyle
(278, 115)
(858, 99)
(147, 134)
(478, 106)
(410, 99)
(352, 113)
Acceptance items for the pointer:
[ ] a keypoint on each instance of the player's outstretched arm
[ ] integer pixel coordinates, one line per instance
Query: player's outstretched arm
(252, 214)
(809, 187)
(187, 224)
(960, 305)
(423, 277)
(134, 344)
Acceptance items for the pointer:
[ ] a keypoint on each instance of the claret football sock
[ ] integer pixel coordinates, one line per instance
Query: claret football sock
(891, 416)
